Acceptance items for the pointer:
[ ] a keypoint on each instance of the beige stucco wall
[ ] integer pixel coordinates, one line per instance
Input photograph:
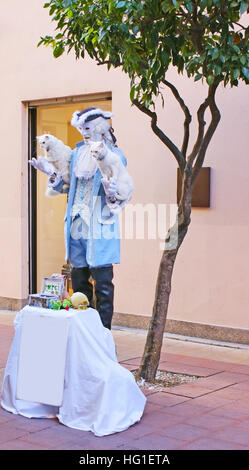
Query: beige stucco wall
(210, 280)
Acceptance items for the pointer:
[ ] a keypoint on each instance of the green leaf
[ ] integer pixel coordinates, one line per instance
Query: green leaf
(120, 4)
(243, 8)
(58, 51)
(67, 3)
(215, 54)
(132, 93)
(164, 58)
(189, 7)
(245, 72)
(145, 37)
(144, 83)
(102, 34)
(236, 74)
(124, 28)
(217, 69)
(166, 7)
(69, 13)
(210, 79)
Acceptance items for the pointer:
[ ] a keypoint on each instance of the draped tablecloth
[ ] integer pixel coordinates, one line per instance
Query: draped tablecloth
(99, 395)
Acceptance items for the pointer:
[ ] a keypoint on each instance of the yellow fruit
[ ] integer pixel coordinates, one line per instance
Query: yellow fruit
(79, 299)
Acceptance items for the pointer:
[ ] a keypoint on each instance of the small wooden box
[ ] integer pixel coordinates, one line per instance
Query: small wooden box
(41, 300)
(201, 188)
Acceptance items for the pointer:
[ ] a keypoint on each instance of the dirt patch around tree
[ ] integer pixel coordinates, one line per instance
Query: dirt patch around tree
(165, 380)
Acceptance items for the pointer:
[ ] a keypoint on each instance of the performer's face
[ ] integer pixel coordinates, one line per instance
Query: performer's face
(88, 130)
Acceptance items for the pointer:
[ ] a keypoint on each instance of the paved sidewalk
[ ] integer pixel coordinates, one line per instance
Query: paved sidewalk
(209, 413)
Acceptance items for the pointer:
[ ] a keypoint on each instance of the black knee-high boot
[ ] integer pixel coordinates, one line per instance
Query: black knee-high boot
(80, 281)
(104, 291)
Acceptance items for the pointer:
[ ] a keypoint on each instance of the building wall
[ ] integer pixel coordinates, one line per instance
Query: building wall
(210, 277)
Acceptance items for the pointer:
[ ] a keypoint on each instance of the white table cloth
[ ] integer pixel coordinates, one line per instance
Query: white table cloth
(99, 394)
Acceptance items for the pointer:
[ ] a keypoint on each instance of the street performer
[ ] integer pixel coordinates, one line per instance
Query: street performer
(92, 238)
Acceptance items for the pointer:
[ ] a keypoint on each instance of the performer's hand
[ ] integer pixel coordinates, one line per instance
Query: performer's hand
(110, 187)
(54, 179)
(43, 165)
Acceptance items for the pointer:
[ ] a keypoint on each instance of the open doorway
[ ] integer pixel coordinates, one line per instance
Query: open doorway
(46, 214)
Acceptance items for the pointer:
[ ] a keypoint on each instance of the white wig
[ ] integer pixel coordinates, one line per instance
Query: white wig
(100, 119)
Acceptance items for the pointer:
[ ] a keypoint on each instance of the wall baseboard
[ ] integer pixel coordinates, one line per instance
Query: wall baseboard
(179, 327)
(8, 303)
(185, 328)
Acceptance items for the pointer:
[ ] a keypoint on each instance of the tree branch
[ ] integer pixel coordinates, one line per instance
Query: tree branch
(188, 116)
(201, 123)
(215, 113)
(241, 25)
(103, 62)
(171, 146)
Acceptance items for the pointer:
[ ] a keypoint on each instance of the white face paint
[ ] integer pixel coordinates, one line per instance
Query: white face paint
(88, 131)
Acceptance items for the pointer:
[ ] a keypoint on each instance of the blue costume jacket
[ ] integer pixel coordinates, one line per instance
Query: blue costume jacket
(103, 245)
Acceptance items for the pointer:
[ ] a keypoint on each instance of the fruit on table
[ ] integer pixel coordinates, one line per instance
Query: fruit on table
(79, 300)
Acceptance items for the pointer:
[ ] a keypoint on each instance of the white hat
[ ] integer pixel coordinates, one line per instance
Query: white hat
(89, 114)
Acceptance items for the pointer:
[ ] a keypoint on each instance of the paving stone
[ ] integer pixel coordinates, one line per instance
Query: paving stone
(222, 379)
(192, 360)
(212, 422)
(49, 438)
(9, 432)
(151, 408)
(234, 434)
(160, 419)
(211, 400)
(166, 399)
(31, 424)
(238, 368)
(243, 423)
(190, 390)
(127, 447)
(4, 415)
(86, 445)
(229, 411)
(242, 386)
(133, 432)
(184, 431)
(206, 443)
(231, 393)
(19, 444)
(128, 366)
(134, 361)
(189, 408)
(180, 417)
(181, 368)
(232, 377)
(156, 442)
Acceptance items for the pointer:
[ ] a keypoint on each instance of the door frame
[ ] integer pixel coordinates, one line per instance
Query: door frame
(32, 178)
(32, 201)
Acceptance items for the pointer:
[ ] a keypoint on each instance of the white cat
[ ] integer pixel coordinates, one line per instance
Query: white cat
(58, 154)
(112, 168)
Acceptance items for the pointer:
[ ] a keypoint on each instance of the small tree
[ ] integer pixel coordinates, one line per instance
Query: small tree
(204, 40)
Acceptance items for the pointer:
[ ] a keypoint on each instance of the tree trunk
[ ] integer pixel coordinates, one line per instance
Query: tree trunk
(152, 350)
(175, 237)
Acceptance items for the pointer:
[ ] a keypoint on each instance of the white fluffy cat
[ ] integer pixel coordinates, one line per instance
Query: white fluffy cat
(112, 167)
(58, 154)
